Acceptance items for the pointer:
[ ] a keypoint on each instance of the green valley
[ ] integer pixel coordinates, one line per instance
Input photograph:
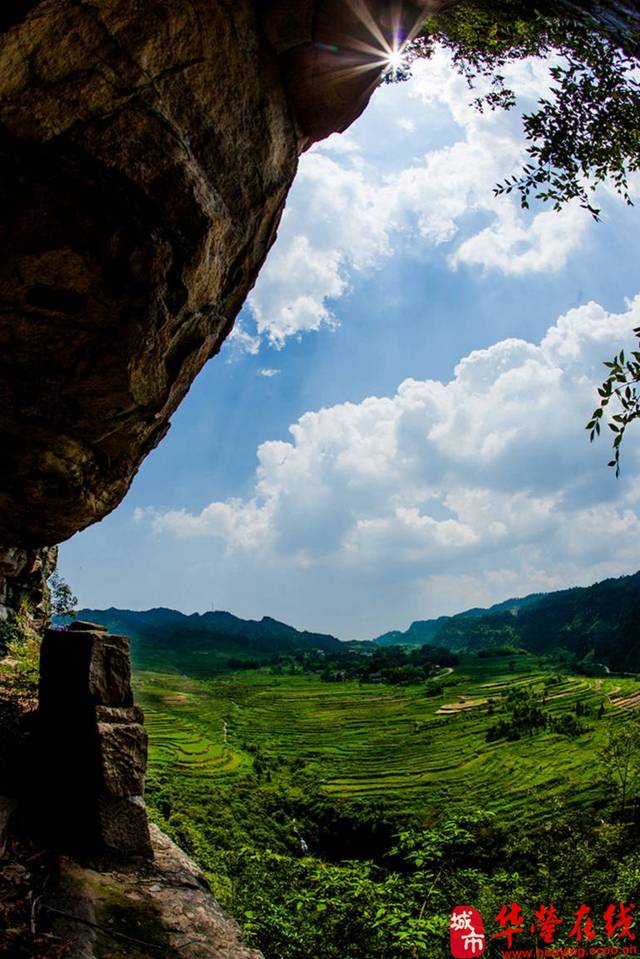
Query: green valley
(401, 745)
(341, 818)
(343, 797)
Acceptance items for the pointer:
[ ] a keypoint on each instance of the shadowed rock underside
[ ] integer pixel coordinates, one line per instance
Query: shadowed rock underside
(146, 151)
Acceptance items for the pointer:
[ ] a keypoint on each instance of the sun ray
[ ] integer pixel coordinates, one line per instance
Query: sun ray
(383, 51)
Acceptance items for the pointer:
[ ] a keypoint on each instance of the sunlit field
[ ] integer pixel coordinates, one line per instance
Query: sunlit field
(400, 745)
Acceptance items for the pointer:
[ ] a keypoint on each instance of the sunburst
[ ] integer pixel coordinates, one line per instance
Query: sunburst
(389, 49)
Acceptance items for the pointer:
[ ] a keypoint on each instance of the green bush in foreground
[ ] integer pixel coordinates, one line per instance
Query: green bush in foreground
(294, 904)
(21, 647)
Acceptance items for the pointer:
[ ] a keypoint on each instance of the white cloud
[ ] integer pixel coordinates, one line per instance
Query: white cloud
(240, 525)
(291, 298)
(268, 373)
(348, 214)
(488, 479)
(242, 341)
(515, 248)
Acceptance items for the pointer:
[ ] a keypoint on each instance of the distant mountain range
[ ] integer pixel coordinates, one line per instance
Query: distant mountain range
(425, 630)
(599, 623)
(169, 636)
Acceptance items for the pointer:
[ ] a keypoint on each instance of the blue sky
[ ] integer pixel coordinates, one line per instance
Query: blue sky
(396, 429)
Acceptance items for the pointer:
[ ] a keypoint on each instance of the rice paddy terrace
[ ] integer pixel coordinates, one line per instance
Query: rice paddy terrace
(398, 744)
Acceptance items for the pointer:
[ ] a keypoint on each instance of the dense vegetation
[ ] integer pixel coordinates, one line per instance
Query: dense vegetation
(392, 664)
(343, 797)
(585, 626)
(344, 819)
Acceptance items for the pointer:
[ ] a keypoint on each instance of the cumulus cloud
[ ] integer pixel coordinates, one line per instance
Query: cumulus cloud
(486, 479)
(347, 214)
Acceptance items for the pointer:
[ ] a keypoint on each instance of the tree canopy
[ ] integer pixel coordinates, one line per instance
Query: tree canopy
(587, 130)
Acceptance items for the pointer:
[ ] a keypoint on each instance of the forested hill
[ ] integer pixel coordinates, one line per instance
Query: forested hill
(426, 630)
(599, 622)
(171, 637)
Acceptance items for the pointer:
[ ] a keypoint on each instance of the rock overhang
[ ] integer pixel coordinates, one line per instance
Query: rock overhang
(146, 152)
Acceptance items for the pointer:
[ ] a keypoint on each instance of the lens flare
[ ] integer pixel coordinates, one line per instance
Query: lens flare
(397, 63)
(395, 60)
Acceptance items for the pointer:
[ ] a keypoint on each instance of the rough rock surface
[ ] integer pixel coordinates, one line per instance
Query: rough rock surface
(145, 155)
(57, 907)
(23, 583)
(146, 151)
(89, 746)
(159, 908)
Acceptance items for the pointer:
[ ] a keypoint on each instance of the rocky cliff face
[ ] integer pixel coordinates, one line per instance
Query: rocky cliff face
(146, 151)
(56, 906)
(23, 583)
(89, 746)
(145, 155)
(78, 860)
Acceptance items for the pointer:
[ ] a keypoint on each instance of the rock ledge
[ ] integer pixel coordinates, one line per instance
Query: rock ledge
(161, 908)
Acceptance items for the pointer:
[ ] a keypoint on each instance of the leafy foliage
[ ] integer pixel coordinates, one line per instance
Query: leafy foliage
(21, 646)
(63, 601)
(620, 758)
(622, 385)
(588, 130)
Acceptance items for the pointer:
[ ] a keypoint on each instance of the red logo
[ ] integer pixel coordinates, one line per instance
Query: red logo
(466, 932)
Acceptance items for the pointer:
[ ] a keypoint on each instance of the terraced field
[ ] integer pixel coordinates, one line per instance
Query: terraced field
(397, 744)
(186, 727)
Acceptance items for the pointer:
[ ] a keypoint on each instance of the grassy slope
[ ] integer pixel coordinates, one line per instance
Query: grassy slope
(381, 742)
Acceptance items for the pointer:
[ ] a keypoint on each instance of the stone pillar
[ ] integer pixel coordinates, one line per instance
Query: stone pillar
(91, 745)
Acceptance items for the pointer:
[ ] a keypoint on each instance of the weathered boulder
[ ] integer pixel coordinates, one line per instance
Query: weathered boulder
(83, 626)
(123, 758)
(7, 808)
(145, 155)
(119, 714)
(332, 53)
(123, 827)
(53, 903)
(83, 669)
